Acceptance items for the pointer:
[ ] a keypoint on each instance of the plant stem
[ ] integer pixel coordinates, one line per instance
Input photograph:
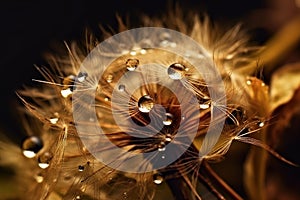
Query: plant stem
(221, 182)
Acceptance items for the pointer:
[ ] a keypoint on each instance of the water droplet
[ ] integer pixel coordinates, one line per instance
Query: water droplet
(66, 92)
(143, 51)
(133, 53)
(132, 64)
(145, 104)
(168, 137)
(261, 124)
(109, 78)
(176, 71)
(158, 178)
(248, 82)
(31, 146)
(125, 195)
(44, 160)
(69, 86)
(80, 168)
(165, 36)
(161, 146)
(204, 103)
(82, 76)
(163, 157)
(121, 88)
(53, 120)
(39, 178)
(204, 106)
(106, 99)
(168, 120)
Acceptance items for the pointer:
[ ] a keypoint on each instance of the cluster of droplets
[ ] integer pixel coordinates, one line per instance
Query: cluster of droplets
(69, 83)
(31, 148)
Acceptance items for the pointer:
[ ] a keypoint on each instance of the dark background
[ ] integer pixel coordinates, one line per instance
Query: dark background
(30, 28)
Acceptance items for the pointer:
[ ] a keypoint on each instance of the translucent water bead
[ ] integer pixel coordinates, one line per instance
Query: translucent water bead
(31, 146)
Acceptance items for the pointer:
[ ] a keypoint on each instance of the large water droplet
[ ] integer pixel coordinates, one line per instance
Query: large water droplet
(158, 178)
(31, 146)
(168, 119)
(132, 64)
(145, 104)
(176, 71)
(44, 160)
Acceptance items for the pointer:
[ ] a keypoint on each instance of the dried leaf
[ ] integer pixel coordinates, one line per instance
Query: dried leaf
(284, 82)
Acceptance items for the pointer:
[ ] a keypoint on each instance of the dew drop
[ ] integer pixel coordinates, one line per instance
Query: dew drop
(31, 146)
(133, 53)
(168, 137)
(109, 78)
(106, 99)
(66, 92)
(143, 51)
(176, 71)
(121, 88)
(44, 160)
(145, 104)
(39, 178)
(82, 76)
(204, 103)
(161, 146)
(132, 64)
(261, 124)
(248, 82)
(204, 106)
(168, 120)
(80, 168)
(69, 85)
(158, 178)
(53, 120)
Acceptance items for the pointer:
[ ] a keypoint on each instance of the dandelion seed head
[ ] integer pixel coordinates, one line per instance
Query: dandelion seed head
(139, 108)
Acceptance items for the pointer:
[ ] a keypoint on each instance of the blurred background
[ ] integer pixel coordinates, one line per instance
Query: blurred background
(31, 28)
